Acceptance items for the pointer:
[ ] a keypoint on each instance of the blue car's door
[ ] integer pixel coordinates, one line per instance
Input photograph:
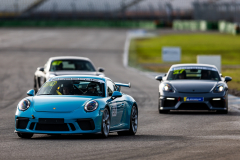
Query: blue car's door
(116, 112)
(117, 107)
(125, 113)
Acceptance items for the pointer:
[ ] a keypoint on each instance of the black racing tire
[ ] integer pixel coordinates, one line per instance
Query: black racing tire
(105, 126)
(158, 104)
(133, 123)
(223, 112)
(25, 135)
(164, 111)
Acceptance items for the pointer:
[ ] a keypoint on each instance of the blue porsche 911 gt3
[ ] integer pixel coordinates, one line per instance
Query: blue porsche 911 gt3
(77, 105)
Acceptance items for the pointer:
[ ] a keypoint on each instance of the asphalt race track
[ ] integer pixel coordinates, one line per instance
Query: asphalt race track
(179, 135)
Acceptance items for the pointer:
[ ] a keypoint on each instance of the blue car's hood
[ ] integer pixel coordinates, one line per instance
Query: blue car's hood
(58, 103)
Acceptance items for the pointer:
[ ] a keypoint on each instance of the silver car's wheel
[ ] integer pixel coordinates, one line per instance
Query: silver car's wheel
(105, 123)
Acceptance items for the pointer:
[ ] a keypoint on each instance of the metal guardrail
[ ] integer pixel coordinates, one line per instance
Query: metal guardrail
(216, 11)
(92, 9)
(33, 6)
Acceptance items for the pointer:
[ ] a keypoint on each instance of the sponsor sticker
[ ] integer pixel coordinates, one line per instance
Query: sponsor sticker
(51, 84)
(56, 63)
(114, 110)
(202, 68)
(80, 79)
(178, 71)
(192, 99)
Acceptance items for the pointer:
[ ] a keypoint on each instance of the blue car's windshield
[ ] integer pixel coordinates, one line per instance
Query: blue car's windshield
(194, 73)
(73, 86)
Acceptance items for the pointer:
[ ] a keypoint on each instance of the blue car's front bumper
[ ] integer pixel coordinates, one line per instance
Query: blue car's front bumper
(71, 123)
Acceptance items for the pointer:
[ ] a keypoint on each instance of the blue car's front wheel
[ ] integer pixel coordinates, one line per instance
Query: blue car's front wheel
(105, 123)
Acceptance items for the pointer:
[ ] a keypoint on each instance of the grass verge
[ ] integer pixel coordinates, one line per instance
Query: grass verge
(145, 53)
(78, 23)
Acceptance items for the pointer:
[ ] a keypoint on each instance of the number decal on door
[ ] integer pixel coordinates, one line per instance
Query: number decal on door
(114, 110)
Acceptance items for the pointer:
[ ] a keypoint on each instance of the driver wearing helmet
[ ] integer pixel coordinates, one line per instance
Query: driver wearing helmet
(182, 75)
(67, 89)
(92, 89)
(206, 74)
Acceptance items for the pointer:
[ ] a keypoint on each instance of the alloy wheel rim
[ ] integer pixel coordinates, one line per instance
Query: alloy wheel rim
(106, 122)
(134, 119)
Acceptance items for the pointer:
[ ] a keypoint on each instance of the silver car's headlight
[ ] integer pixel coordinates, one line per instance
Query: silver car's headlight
(167, 88)
(24, 105)
(219, 88)
(91, 106)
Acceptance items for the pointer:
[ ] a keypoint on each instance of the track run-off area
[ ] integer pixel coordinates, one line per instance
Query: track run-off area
(178, 135)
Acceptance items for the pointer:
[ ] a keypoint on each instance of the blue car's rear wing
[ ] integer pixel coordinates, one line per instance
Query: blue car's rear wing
(123, 84)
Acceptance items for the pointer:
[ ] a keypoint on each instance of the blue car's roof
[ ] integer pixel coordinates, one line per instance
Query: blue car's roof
(81, 76)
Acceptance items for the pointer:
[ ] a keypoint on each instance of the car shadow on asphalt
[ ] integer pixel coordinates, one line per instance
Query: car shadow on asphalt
(230, 113)
(111, 137)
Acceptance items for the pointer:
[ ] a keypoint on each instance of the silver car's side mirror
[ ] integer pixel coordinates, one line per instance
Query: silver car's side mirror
(228, 79)
(101, 69)
(158, 78)
(41, 69)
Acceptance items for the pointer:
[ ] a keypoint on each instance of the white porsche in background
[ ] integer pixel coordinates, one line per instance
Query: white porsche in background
(67, 65)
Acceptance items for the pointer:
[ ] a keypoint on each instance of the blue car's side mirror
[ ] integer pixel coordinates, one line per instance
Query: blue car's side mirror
(31, 92)
(116, 94)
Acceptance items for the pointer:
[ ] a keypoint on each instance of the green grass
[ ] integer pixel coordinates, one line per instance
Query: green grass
(78, 23)
(228, 46)
(147, 52)
(234, 73)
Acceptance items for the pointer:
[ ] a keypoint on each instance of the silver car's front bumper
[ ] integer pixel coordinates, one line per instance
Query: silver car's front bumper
(171, 101)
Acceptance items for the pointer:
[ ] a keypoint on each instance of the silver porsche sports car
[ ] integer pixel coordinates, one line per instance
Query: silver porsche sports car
(67, 65)
(193, 87)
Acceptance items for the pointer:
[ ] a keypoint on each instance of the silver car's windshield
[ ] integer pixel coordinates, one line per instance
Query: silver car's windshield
(68, 86)
(71, 65)
(194, 73)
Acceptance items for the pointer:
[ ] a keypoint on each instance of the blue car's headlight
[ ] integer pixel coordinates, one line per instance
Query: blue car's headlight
(219, 88)
(91, 106)
(24, 105)
(167, 88)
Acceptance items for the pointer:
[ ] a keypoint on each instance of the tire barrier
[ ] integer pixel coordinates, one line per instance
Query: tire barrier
(221, 26)
(231, 28)
(194, 25)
